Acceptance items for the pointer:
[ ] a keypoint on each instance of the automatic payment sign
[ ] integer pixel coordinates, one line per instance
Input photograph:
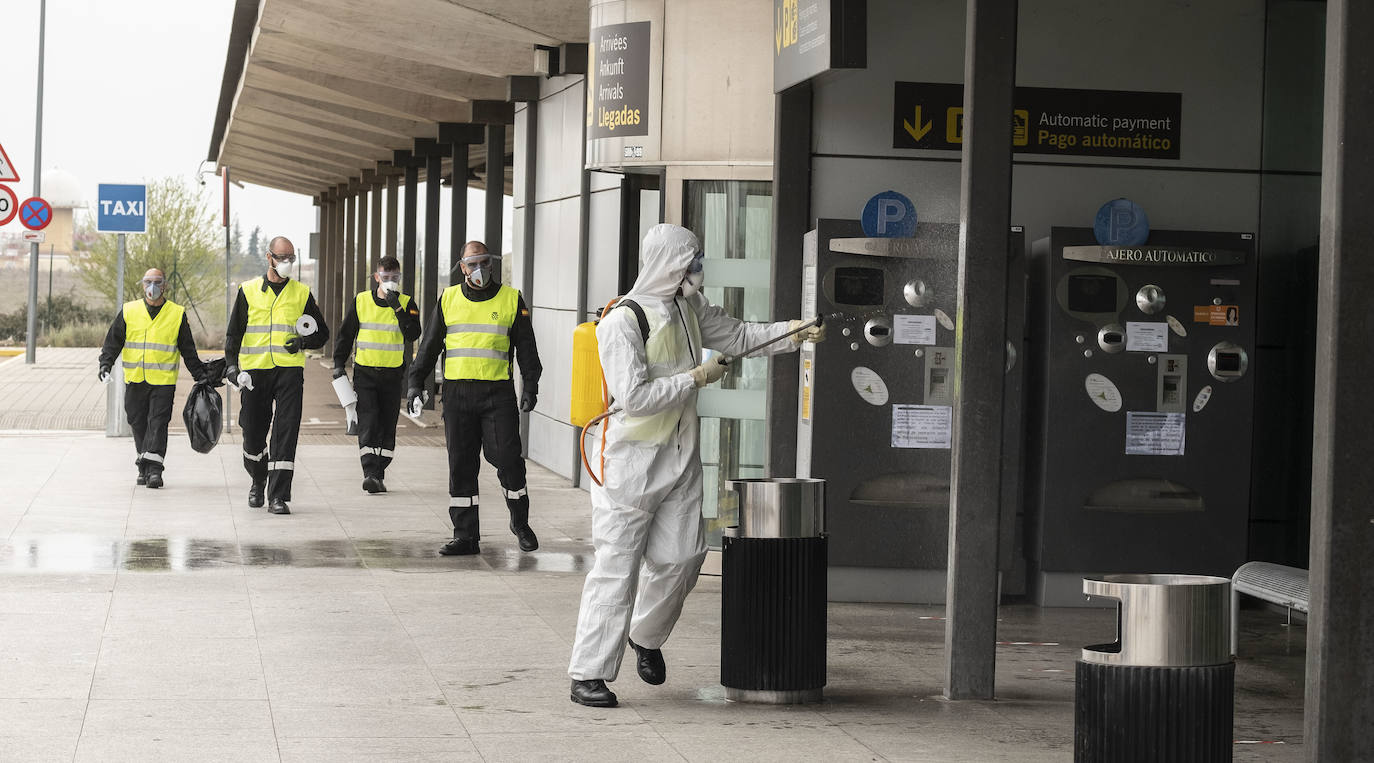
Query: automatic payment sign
(618, 93)
(1060, 121)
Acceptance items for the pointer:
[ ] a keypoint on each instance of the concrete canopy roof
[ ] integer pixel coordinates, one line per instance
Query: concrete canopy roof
(315, 92)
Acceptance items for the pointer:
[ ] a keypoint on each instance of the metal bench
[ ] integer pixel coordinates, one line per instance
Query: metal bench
(1285, 586)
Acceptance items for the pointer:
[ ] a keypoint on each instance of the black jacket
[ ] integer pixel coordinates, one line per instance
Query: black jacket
(521, 343)
(186, 344)
(238, 322)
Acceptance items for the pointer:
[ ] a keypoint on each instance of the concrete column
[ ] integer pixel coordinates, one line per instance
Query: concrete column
(496, 186)
(429, 287)
(1340, 630)
(980, 349)
(364, 265)
(321, 254)
(791, 221)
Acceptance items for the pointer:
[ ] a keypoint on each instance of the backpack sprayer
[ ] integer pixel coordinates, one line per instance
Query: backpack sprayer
(590, 408)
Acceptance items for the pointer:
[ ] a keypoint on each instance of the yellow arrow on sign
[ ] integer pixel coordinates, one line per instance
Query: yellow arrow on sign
(919, 130)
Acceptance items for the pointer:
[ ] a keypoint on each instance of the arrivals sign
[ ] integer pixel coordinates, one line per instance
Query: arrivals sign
(618, 93)
(1056, 121)
(811, 37)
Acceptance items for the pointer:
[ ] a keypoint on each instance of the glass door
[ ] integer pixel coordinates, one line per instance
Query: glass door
(734, 220)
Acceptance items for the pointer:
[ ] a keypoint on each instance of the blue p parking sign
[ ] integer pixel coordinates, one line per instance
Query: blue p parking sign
(889, 215)
(122, 209)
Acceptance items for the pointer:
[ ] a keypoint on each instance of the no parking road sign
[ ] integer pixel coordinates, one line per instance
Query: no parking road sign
(122, 209)
(35, 213)
(9, 205)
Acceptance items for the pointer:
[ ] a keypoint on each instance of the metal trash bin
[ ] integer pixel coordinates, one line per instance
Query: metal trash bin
(773, 593)
(1165, 690)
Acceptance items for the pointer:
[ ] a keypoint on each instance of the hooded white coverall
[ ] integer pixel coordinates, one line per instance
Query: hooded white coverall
(647, 528)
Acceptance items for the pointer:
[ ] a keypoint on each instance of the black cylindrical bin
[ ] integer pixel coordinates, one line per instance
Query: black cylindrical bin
(773, 593)
(1165, 690)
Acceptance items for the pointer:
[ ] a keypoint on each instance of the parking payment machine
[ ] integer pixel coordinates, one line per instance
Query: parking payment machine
(875, 404)
(1140, 404)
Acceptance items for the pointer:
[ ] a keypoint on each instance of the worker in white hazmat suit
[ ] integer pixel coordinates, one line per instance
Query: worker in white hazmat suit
(647, 529)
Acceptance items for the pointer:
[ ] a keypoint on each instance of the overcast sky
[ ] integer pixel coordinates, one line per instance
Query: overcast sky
(129, 93)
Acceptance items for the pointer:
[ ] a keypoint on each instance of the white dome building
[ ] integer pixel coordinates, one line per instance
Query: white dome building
(63, 191)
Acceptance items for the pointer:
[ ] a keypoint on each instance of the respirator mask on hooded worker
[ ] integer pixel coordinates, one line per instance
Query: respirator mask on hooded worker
(482, 269)
(692, 281)
(153, 288)
(283, 264)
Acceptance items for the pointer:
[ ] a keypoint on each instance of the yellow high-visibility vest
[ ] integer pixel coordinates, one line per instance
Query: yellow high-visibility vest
(477, 338)
(150, 344)
(271, 319)
(380, 342)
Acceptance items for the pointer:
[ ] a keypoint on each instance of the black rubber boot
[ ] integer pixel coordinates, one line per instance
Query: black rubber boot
(520, 523)
(255, 494)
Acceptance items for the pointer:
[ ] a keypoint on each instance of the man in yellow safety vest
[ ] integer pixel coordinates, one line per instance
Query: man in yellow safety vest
(381, 321)
(148, 334)
(477, 324)
(275, 319)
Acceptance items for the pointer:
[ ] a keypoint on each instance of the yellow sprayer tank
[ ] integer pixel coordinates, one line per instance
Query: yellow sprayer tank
(586, 375)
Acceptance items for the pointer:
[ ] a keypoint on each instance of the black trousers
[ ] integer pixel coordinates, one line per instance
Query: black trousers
(379, 393)
(482, 417)
(149, 409)
(279, 387)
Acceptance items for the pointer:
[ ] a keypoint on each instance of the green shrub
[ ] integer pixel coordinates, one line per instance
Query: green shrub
(77, 335)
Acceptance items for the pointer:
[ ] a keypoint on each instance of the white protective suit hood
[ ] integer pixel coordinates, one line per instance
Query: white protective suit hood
(667, 252)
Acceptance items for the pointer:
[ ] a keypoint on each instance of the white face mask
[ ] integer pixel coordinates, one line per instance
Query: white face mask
(283, 268)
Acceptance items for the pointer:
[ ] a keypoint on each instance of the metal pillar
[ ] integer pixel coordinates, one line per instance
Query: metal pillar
(378, 221)
(31, 333)
(791, 220)
(350, 242)
(364, 257)
(980, 349)
(322, 260)
(458, 212)
(496, 186)
(409, 228)
(1340, 668)
(391, 219)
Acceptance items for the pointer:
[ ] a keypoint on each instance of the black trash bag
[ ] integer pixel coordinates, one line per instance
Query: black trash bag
(204, 416)
(213, 373)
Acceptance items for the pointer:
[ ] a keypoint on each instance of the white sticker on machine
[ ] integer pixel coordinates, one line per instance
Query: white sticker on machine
(922, 426)
(809, 292)
(1149, 433)
(1203, 395)
(869, 385)
(1103, 392)
(913, 329)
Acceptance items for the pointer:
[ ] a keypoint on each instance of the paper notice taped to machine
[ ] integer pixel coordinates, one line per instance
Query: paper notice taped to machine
(1147, 336)
(1149, 433)
(913, 329)
(922, 426)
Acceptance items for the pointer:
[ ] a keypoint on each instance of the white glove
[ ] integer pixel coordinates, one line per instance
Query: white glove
(104, 376)
(708, 372)
(244, 381)
(812, 334)
(416, 406)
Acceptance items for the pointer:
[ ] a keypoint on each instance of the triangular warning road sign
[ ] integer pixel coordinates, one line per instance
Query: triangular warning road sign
(7, 171)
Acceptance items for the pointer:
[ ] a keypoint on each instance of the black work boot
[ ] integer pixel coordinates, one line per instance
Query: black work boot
(459, 547)
(278, 506)
(649, 664)
(520, 523)
(593, 693)
(154, 479)
(255, 494)
(373, 485)
(142, 474)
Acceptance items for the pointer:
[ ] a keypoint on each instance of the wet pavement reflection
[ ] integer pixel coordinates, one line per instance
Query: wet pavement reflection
(86, 553)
